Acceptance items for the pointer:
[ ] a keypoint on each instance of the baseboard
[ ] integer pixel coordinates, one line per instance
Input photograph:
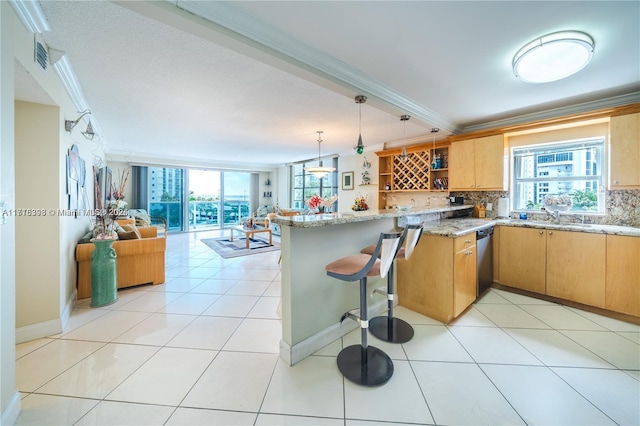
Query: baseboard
(296, 353)
(46, 328)
(11, 413)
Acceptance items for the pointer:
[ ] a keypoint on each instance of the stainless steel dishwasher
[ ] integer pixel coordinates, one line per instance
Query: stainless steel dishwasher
(484, 244)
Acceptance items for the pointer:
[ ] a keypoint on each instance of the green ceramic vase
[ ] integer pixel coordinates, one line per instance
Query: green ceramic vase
(104, 288)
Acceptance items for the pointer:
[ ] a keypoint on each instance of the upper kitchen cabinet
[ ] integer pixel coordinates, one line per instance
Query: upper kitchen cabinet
(478, 164)
(625, 152)
(413, 173)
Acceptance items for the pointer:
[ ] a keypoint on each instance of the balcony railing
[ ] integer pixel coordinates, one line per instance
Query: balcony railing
(201, 213)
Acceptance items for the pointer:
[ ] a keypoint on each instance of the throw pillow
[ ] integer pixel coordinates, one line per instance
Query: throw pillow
(141, 217)
(130, 233)
(86, 238)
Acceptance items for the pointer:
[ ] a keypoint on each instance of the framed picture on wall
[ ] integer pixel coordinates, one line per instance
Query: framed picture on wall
(347, 180)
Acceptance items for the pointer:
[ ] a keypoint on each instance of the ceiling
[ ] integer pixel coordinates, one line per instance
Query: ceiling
(247, 84)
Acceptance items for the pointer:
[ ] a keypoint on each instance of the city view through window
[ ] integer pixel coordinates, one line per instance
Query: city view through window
(573, 169)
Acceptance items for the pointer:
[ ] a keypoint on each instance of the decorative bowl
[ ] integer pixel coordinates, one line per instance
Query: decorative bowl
(557, 207)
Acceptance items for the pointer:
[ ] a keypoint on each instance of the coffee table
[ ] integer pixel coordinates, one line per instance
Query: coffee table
(250, 233)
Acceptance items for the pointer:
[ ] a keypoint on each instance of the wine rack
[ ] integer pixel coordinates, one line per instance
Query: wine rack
(412, 173)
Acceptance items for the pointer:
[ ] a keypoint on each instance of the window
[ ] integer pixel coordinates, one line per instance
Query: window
(571, 167)
(304, 185)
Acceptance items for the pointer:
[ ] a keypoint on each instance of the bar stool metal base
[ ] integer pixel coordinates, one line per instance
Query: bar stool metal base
(393, 330)
(375, 371)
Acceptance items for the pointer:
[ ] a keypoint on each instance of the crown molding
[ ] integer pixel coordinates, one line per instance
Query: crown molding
(630, 98)
(232, 21)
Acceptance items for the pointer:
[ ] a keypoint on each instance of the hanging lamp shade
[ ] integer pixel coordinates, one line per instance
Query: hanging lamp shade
(319, 171)
(360, 99)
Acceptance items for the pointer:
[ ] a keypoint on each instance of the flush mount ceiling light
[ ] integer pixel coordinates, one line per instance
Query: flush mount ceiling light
(360, 100)
(404, 157)
(553, 57)
(319, 171)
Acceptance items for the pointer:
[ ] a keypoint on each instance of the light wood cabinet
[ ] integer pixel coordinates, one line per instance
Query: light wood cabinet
(623, 274)
(413, 175)
(464, 275)
(439, 280)
(576, 267)
(563, 264)
(523, 258)
(625, 151)
(478, 164)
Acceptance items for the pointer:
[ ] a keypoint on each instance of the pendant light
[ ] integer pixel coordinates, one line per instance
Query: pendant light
(319, 171)
(404, 157)
(434, 164)
(360, 99)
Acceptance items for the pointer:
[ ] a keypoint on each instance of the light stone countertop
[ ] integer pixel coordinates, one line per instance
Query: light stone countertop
(315, 220)
(451, 227)
(456, 227)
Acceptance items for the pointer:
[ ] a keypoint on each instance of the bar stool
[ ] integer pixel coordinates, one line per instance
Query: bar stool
(364, 364)
(389, 328)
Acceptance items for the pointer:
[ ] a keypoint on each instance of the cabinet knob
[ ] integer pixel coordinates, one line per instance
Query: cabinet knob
(550, 232)
(541, 232)
(468, 253)
(467, 241)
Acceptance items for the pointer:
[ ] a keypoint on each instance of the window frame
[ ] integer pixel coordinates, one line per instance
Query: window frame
(561, 148)
(328, 182)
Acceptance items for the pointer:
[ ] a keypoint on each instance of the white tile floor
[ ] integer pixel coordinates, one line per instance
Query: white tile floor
(202, 349)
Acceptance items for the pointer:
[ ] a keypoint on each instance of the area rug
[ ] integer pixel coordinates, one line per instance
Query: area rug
(237, 247)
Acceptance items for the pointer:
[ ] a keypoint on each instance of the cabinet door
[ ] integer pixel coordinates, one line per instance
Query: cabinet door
(522, 258)
(623, 274)
(576, 266)
(464, 279)
(625, 151)
(462, 165)
(490, 163)
(425, 281)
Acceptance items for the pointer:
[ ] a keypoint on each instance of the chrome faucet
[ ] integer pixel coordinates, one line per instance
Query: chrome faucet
(554, 214)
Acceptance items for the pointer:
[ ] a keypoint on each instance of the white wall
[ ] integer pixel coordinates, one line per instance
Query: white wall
(354, 163)
(9, 397)
(41, 149)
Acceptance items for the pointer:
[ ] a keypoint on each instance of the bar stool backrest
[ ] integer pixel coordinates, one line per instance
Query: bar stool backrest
(413, 236)
(391, 243)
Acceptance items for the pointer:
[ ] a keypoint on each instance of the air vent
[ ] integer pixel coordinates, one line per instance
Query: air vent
(41, 54)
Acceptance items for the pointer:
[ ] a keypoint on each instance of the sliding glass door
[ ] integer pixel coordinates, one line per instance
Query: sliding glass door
(236, 197)
(204, 199)
(166, 193)
(193, 199)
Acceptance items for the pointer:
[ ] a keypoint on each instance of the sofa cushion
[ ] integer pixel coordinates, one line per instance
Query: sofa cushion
(263, 211)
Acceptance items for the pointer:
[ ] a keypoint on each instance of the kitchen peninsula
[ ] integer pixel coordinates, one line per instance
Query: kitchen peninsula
(439, 281)
(312, 302)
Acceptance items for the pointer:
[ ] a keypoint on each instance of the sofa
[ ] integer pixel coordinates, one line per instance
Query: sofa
(139, 261)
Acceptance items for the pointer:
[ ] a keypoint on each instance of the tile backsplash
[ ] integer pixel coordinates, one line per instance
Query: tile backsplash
(622, 207)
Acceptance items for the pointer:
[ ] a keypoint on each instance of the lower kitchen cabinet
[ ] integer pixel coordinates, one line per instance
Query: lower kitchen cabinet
(522, 258)
(576, 267)
(592, 269)
(623, 275)
(439, 280)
